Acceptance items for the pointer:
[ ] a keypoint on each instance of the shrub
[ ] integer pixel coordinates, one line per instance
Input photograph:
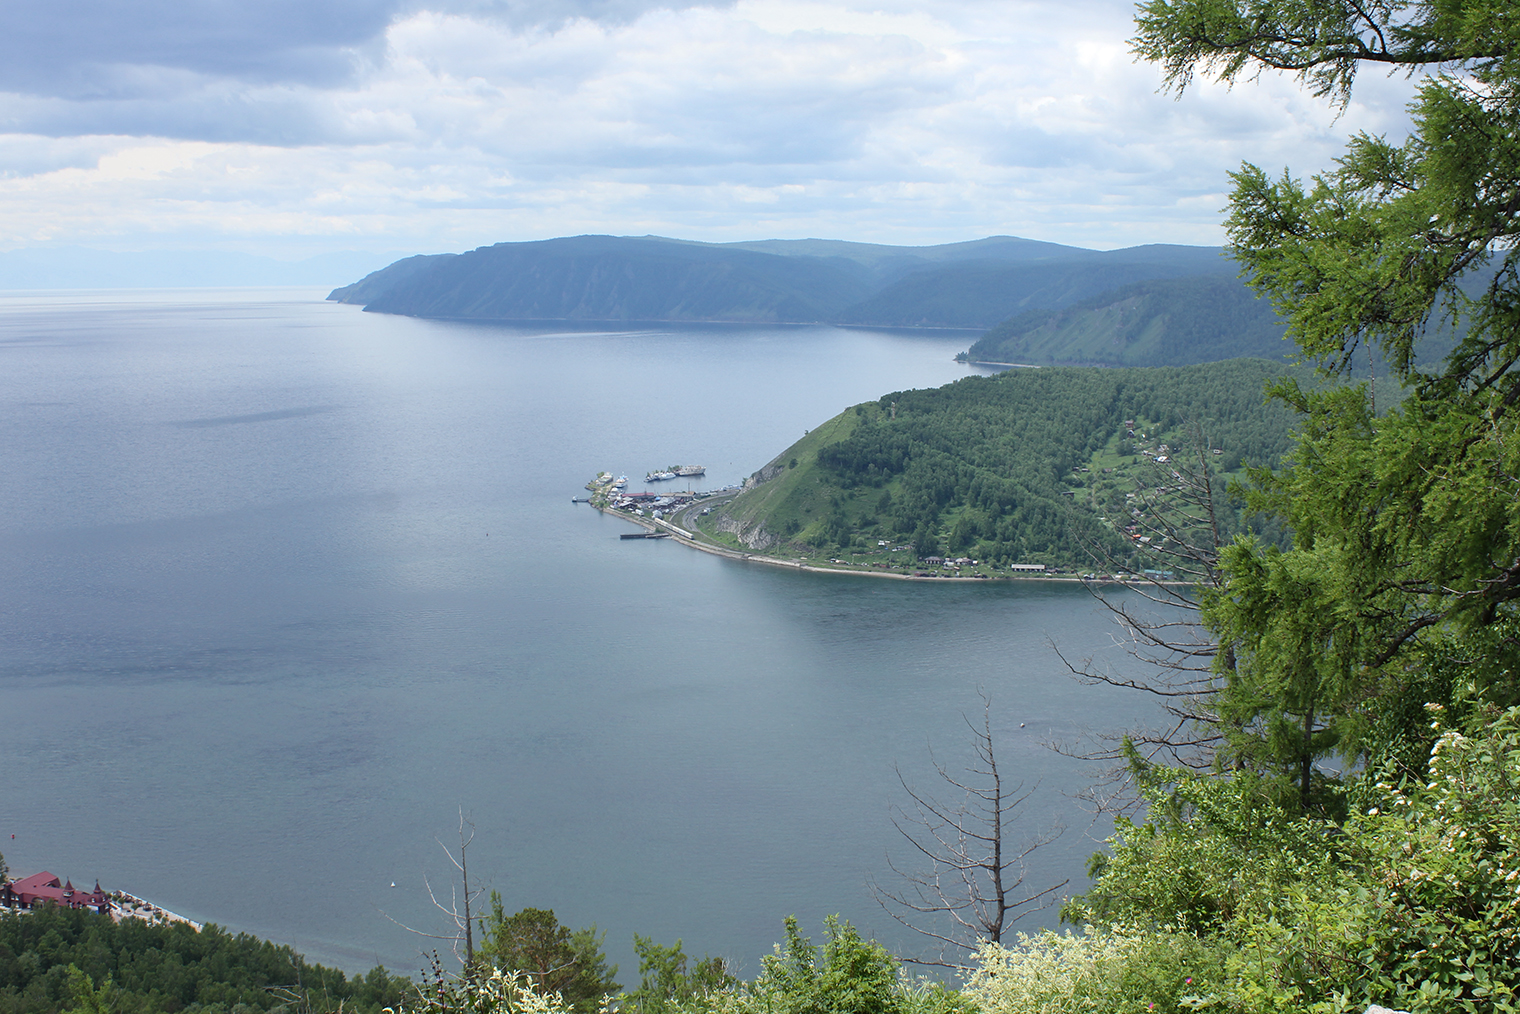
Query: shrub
(479, 989)
(1098, 971)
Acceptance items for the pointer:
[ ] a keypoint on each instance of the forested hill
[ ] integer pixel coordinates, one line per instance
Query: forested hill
(1163, 322)
(972, 285)
(73, 960)
(1029, 466)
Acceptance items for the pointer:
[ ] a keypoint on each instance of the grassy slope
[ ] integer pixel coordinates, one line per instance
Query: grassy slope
(795, 493)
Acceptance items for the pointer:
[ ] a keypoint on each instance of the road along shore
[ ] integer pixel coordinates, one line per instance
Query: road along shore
(689, 538)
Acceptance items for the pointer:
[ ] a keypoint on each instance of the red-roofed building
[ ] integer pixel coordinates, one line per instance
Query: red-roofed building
(40, 888)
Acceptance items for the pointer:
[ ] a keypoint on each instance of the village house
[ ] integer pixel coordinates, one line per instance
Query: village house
(40, 888)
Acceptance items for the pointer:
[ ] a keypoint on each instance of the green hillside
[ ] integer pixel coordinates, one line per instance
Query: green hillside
(1029, 466)
(1164, 322)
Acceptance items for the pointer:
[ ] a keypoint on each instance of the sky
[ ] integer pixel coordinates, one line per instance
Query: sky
(290, 128)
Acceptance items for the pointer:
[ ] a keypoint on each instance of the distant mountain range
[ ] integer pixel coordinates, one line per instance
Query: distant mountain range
(970, 285)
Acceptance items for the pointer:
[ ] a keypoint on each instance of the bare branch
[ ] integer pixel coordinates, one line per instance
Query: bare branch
(463, 921)
(1174, 526)
(974, 876)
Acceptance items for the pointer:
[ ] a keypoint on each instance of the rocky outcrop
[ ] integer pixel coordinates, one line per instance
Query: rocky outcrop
(753, 534)
(765, 474)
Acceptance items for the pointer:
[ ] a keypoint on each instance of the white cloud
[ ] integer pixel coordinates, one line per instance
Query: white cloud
(875, 121)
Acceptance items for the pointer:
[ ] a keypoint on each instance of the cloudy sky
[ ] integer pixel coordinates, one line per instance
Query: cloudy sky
(295, 127)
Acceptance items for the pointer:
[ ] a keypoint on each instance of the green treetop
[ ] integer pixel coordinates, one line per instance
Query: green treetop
(553, 958)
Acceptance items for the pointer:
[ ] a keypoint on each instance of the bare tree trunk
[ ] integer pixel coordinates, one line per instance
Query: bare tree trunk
(1176, 518)
(463, 922)
(973, 886)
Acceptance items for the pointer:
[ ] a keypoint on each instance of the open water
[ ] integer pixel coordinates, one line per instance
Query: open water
(285, 587)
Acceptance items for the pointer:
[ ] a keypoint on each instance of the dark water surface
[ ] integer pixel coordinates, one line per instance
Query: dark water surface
(286, 585)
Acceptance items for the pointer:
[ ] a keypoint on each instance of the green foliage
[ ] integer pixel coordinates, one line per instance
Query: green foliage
(1325, 44)
(1396, 602)
(1406, 521)
(847, 975)
(479, 989)
(1213, 852)
(85, 997)
(985, 467)
(1100, 970)
(666, 985)
(854, 976)
(553, 958)
(1412, 902)
(54, 960)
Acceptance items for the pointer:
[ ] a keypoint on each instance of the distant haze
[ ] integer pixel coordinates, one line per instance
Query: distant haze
(83, 268)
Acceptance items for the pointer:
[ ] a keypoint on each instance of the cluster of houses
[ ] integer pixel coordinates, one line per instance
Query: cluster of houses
(41, 889)
(966, 561)
(654, 504)
(44, 889)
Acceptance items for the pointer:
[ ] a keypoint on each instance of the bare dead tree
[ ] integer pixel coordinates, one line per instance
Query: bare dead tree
(460, 899)
(973, 886)
(1176, 532)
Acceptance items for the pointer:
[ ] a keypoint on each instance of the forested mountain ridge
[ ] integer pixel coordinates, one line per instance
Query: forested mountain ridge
(1029, 466)
(1162, 322)
(972, 285)
(983, 293)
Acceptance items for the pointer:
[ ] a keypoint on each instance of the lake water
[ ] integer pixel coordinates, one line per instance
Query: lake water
(288, 585)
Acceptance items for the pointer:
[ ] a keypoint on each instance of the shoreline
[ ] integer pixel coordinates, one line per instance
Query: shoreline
(129, 906)
(689, 539)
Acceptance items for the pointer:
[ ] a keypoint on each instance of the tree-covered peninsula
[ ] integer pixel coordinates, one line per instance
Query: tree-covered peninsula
(1053, 466)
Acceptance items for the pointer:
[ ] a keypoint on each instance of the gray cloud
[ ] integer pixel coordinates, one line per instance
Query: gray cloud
(112, 50)
(86, 49)
(474, 121)
(206, 111)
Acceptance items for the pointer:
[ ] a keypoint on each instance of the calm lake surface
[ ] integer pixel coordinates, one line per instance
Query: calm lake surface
(287, 585)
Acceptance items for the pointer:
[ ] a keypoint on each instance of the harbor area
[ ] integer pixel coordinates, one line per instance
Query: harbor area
(681, 515)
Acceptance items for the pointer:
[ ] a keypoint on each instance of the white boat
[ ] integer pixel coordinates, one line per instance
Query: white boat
(659, 476)
(686, 470)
